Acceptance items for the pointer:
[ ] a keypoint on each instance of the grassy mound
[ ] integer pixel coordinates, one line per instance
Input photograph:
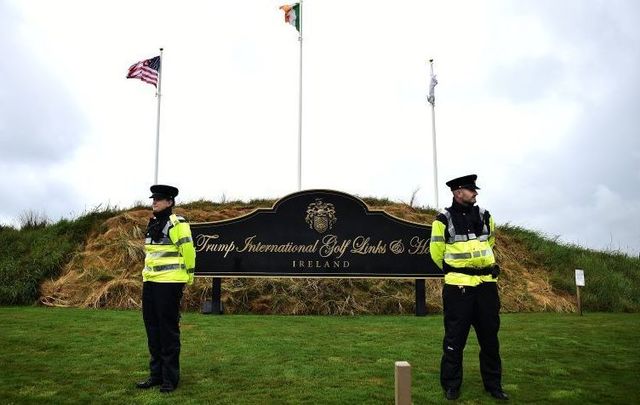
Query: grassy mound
(612, 278)
(96, 261)
(39, 250)
(106, 273)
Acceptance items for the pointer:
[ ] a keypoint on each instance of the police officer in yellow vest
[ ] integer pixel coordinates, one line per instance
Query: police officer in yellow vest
(169, 263)
(462, 240)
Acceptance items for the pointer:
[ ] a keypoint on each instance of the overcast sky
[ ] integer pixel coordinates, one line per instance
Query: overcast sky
(540, 98)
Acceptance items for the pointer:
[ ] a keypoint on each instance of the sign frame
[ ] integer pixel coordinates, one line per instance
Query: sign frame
(312, 234)
(429, 268)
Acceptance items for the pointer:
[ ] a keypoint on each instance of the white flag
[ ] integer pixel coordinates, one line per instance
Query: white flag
(432, 97)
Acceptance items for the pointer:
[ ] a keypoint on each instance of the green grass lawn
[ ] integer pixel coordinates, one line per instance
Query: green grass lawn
(80, 356)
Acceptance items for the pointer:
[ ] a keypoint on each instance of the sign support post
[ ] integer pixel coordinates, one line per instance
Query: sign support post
(421, 297)
(214, 307)
(216, 292)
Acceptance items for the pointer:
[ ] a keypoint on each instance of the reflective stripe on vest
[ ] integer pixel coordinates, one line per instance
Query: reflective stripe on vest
(165, 230)
(453, 238)
(155, 255)
(164, 255)
(173, 220)
(469, 255)
(165, 267)
(184, 240)
(163, 241)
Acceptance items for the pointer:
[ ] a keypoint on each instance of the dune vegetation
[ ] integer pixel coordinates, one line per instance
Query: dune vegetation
(95, 261)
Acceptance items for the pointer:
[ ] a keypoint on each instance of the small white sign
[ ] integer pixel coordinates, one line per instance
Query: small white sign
(579, 278)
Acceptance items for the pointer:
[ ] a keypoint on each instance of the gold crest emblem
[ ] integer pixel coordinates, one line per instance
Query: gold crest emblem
(321, 216)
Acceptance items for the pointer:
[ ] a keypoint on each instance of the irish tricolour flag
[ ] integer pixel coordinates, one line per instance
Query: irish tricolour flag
(292, 14)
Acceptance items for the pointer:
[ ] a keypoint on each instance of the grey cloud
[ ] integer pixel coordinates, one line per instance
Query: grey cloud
(39, 123)
(586, 191)
(590, 38)
(40, 127)
(528, 79)
(31, 189)
(599, 23)
(604, 146)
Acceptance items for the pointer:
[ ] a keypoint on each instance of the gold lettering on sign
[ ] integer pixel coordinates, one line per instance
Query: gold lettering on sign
(250, 246)
(363, 246)
(331, 246)
(396, 247)
(204, 243)
(419, 246)
(328, 247)
(320, 264)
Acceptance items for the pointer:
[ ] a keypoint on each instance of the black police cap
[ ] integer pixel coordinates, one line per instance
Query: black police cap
(163, 191)
(468, 182)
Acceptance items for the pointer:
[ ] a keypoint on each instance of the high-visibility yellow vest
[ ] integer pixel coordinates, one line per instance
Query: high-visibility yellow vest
(173, 258)
(466, 252)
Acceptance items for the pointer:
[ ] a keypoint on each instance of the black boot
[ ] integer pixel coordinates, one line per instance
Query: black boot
(167, 387)
(499, 394)
(452, 394)
(148, 383)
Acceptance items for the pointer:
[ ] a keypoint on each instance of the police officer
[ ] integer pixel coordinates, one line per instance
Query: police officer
(169, 263)
(462, 240)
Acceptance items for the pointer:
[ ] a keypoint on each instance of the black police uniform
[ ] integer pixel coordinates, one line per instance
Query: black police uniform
(161, 315)
(161, 308)
(469, 305)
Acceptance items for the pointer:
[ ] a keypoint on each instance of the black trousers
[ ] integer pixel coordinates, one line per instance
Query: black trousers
(161, 314)
(465, 307)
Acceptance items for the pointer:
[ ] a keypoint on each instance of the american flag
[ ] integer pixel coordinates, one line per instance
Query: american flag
(146, 70)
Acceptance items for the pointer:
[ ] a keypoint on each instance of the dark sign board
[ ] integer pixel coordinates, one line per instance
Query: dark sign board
(314, 233)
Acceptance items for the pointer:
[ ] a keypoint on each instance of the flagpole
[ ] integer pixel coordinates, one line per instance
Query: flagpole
(432, 101)
(300, 106)
(158, 95)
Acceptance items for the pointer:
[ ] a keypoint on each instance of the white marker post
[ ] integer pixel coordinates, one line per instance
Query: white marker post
(579, 283)
(403, 383)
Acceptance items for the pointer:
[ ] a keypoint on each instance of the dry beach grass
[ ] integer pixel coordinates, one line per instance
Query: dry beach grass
(105, 273)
